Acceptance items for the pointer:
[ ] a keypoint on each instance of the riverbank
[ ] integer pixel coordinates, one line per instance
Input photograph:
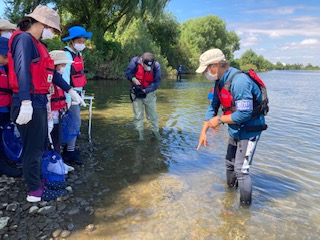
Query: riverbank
(56, 219)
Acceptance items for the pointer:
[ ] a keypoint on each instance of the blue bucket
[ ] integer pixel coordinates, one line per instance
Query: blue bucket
(53, 169)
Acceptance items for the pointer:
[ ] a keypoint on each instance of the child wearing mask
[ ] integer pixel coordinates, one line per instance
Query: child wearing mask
(6, 28)
(75, 76)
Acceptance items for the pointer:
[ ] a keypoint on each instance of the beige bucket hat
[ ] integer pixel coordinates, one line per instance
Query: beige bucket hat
(6, 25)
(59, 57)
(209, 57)
(46, 16)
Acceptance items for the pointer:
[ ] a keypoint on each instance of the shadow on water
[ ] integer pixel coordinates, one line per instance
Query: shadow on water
(271, 187)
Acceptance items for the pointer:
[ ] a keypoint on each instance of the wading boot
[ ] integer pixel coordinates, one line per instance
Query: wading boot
(157, 135)
(141, 136)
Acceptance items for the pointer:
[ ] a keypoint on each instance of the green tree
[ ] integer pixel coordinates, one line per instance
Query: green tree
(201, 34)
(165, 31)
(250, 60)
(135, 39)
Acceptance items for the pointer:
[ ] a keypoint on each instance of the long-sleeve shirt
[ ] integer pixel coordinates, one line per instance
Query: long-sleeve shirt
(25, 52)
(132, 69)
(243, 90)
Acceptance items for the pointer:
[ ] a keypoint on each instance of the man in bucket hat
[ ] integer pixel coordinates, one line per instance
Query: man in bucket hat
(6, 28)
(31, 72)
(74, 75)
(144, 74)
(243, 126)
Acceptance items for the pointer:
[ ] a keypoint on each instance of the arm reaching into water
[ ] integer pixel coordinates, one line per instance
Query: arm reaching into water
(203, 135)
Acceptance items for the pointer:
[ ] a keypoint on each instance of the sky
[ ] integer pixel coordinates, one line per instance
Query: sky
(286, 31)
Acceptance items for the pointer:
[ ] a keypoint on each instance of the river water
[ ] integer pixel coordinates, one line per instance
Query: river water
(168, 190)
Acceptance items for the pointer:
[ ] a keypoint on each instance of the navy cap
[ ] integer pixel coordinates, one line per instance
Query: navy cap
(148, 58)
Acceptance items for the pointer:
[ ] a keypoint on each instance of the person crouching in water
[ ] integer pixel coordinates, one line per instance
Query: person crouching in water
(75, 76)
(144, 73)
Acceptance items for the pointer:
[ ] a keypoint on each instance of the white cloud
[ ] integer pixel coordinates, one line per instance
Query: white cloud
(305, 44)
(307, 26)
(285, 10)
(249, 41)
(274, 35)
(310, 41)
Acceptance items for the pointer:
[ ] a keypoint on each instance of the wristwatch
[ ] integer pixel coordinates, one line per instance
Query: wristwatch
(219, 120)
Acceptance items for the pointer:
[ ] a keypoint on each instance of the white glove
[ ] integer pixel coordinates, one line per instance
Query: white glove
(68, 105)
(76, 98)
(25, 114)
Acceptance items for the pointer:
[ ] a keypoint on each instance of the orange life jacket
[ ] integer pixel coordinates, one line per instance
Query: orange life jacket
(58, 99)
(78, 77)
(41, 71)
(145, 77)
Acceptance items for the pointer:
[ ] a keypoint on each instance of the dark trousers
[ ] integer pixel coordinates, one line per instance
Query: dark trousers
(236, 154)
(56, 136)
(34, 136)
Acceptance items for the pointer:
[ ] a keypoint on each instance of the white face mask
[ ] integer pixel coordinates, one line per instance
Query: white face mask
(211, 77)
(47, 34)
(6, 34)
(62, 69)
(79, 47)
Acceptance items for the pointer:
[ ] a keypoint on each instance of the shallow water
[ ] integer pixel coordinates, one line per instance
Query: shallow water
(168, 190)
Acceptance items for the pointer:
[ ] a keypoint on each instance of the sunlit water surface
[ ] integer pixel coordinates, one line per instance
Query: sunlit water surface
(168, 190)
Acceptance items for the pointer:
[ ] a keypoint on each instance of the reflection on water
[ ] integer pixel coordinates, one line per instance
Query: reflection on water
(168, 190)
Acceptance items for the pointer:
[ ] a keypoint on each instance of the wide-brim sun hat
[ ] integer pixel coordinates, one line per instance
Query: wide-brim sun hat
(6, 25)
(59, 57)
(209, 57)
(46, 16)
(77, 32)
(4, 49)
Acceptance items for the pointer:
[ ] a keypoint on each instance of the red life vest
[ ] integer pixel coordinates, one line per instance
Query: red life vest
(41, 71)
(5, 91)
(58, 99)
(228, 105)
(78, 77)
(145, 77)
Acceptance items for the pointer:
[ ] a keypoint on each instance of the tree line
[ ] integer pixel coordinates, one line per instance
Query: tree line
(126, 28)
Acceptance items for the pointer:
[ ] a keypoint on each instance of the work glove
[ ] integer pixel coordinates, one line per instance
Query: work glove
(25, 113)
(76, 98)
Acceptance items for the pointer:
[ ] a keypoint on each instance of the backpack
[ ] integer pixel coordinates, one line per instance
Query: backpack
(262, 107)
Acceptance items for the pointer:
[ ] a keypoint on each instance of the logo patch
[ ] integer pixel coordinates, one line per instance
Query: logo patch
(243, 105)
(49, 79)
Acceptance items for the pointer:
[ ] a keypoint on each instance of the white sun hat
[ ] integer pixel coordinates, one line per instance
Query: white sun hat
(46, 16)
(209, 57)
(59, 57)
